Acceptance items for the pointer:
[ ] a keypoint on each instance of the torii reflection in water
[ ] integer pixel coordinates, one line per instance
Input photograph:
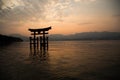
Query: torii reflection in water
(38, 55)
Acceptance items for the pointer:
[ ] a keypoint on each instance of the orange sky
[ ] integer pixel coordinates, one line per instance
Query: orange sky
(65, 16)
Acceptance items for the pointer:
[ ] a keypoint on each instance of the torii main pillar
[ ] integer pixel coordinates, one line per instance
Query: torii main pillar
(41, 41)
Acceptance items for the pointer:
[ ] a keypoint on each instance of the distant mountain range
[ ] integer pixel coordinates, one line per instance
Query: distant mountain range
(4, 40)
(24, 38)
(79, 36)
(88, 36)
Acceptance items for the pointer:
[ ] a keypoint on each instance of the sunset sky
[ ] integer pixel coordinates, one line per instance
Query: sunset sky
(65, 16)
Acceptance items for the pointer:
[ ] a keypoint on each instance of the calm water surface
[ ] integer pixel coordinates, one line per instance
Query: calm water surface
(65, 60)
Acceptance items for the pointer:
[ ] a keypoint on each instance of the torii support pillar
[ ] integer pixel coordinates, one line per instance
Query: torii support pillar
(39, 42)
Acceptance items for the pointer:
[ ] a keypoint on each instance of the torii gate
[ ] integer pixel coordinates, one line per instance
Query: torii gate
(39, 42)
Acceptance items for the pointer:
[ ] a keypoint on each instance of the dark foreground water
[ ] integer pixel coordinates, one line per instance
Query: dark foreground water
(65, 60)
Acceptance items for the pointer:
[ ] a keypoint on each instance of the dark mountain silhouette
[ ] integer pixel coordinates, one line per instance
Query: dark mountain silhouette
(4, 40)
(24, 38)
(88, 36)
(79, 36)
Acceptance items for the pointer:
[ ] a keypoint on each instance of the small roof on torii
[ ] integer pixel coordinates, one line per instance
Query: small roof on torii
(40, 29)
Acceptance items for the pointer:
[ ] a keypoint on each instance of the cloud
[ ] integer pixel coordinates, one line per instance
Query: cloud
(15, 10)
(117, 18)
(116, 15)
(83, 0)
(19, 9)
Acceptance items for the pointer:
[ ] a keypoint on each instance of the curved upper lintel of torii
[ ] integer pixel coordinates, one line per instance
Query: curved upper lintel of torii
(40, 29)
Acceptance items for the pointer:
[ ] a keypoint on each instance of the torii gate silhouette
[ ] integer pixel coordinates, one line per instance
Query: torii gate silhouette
(39, 42)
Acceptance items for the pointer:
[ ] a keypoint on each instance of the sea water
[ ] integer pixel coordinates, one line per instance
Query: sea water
(65, 60)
